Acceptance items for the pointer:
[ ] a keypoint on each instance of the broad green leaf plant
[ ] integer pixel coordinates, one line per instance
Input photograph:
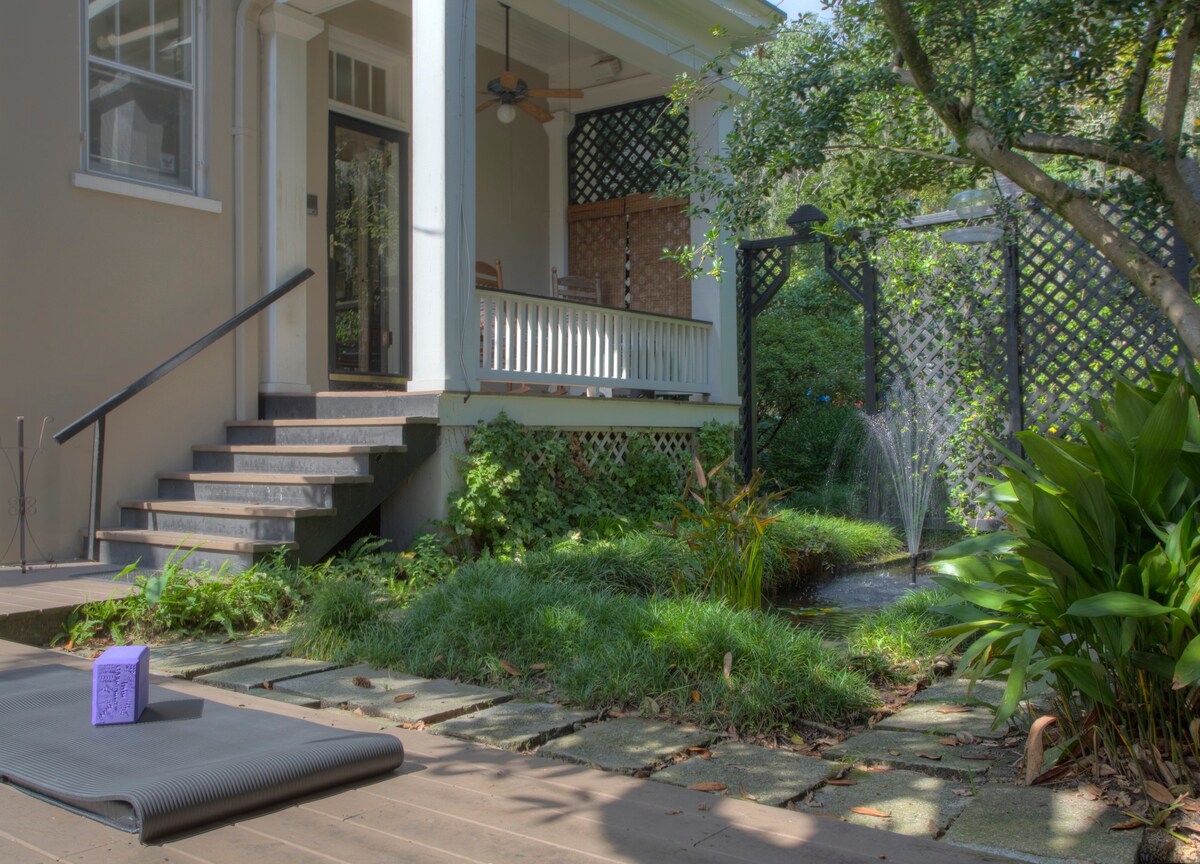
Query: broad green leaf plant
(1097, 582)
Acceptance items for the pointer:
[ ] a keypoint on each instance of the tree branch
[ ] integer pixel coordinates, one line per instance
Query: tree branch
(1139, 76)
(908, 151)
(1070, 145)
(920, 69)
(1178, 84)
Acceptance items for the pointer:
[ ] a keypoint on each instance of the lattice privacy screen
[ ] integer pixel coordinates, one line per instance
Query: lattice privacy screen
(607, 447)
(621, 151)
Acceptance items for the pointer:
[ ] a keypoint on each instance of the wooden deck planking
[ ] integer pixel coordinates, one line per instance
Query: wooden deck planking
(45, 588)
(457, 802)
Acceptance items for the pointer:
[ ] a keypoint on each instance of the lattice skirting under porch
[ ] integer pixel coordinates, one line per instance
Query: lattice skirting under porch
(607, 447)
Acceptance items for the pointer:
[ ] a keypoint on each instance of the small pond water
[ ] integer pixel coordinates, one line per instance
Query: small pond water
(834, 603)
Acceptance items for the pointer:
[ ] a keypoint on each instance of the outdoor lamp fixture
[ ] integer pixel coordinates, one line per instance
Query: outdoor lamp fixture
(804, 218)
(973, 204)
(506, 113)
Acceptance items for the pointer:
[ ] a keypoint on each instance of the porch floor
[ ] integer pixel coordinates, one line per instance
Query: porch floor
(52, 587)
(455, 801)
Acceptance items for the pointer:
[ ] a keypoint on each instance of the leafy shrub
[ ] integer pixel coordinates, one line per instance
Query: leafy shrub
(613, 650)
(1098, 583)
(522, 486)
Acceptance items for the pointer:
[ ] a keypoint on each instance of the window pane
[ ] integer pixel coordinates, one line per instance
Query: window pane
(378, 90)
(362, 85)
(102, 29)
(173, 39)
(133, 43)
(345, 79)
(139, 129)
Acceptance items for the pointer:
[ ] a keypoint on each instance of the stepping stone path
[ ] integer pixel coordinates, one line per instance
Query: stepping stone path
(903, 801)
(400, 698)
(627, 745)
(514, 725)
(767, 776)
(930, 770)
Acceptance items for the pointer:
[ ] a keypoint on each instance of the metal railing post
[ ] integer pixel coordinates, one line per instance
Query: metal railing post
(93, 545)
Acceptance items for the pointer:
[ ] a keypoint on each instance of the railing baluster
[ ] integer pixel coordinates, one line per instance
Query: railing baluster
(97, 488)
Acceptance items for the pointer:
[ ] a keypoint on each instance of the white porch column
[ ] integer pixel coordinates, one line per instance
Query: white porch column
(284, 339)
(712, 299)
(445, 325)
(557, 131)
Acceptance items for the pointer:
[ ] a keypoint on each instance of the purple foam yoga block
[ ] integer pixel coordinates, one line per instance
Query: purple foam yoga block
(120, 685)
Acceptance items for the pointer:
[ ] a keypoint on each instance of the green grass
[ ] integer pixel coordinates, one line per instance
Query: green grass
(893, 645)
(605, 649)
(801, 544)
(640, 563)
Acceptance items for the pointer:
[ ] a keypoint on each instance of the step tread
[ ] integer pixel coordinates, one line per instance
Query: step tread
(335, 422)
(180, 540)
(226, 508)
(266, 478)
(302, 449)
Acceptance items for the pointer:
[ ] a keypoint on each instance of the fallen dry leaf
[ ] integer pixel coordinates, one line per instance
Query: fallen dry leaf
(1127, 826)
(954, 710)
(1159, 793)
(710, 786)
(537, 667)
(965, 738)
(932, 757)
(876, 769)
(701, 806)
(840, 781)
(1090, 791)
(361, 681)
(358, 712)
(728, 666)
(871, 811)
(510, 668)
(403, 697)
(541, 691)
(977, 757)
(1034, 747)
(695, 695)
(674, 812)
(641, 775)
(893, 752)
(949, 741)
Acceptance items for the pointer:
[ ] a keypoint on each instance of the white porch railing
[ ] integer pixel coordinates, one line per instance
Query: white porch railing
(533, 340)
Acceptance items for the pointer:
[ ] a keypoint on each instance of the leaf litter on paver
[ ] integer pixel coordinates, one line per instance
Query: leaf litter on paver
(1159, 792)
(841, 781)
(510, 668)
(871, 811)
(404, 697)
(709, 786)
(361, 681)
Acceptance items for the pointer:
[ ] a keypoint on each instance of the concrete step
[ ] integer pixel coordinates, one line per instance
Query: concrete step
(296, 490)
(153, 549)
(287, 458)
(336, 404)
(226, 519)
(361, 430)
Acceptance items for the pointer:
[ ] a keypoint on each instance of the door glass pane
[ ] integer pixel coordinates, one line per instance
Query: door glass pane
(365, 270)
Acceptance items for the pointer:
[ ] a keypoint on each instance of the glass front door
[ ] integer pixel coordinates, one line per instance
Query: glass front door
(368, 224)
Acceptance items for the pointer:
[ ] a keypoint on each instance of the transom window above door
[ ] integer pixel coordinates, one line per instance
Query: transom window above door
(140, 90)
(365, 79)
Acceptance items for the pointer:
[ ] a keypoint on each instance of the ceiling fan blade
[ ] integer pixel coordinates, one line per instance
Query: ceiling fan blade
(483, 106)
(509, 80)
(554, 93)
(537, 112)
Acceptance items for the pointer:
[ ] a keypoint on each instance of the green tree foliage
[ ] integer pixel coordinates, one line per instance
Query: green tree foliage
(890, 101)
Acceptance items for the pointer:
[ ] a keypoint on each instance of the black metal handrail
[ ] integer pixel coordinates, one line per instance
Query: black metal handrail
(98, 414)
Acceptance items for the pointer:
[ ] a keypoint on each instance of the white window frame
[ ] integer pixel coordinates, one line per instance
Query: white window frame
(396, 65)
(90, 177)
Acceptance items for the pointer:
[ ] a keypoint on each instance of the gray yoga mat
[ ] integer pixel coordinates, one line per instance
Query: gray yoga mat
(186, 763)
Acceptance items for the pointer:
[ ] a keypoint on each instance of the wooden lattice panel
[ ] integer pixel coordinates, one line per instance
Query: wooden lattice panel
(606, 448)
(624, 150)
(1081, 322)
(596, 236)
(657, 284)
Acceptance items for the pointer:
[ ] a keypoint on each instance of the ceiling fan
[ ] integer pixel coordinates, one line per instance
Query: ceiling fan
(510, 92)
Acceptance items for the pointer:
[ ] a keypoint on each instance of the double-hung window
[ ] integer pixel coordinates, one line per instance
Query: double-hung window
(141, 100)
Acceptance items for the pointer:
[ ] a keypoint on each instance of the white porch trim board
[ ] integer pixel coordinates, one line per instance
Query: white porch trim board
(443, 194)
(286, 32)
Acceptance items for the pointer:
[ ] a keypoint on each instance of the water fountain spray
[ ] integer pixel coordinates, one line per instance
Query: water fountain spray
(912, 436)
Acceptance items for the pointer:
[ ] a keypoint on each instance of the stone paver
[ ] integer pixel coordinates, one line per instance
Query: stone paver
(917, 805)
(627, 744)
(189, 659)
(432, 700)
(514, 725)
(1043, 826)
(289, 698)
(766, 776)
(263, 673)
(904, 749)
(944, 718)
